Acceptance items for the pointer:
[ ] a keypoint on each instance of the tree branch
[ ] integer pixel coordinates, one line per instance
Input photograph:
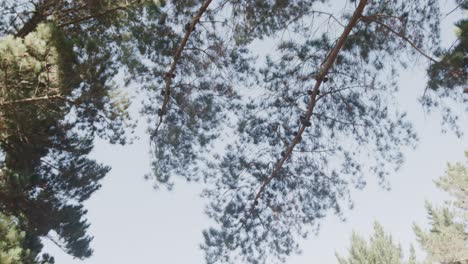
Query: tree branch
(79, 20)
(170, 74)
(326, 66)
(32, 99)
(405, 38)
(37, 17)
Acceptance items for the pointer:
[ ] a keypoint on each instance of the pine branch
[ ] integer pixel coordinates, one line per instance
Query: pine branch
(171, 73)
(30, 100)
(59, 245)
(402, 36)
(83, 19)
(37, 17)
(326, 66)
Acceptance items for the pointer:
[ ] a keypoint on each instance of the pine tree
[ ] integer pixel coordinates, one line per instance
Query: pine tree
(446, 241)
(296, 126)
(56, 96)
(379, 250)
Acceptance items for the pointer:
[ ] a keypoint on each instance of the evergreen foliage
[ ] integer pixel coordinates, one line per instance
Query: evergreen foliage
(452, 70)
(11, 242)
(380, 249)
(446, 242)
(447, 239)
(279, 139)
(56, 95)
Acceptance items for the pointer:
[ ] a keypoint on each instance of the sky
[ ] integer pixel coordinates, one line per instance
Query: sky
(133, 223)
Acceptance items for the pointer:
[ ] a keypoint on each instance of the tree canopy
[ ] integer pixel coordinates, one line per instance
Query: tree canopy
(278, 138)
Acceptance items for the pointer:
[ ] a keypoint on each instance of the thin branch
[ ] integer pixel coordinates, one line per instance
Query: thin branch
(453, 10)
(79, 20)
(326, 66)
(51, 165)
(169, 75)
(60, 246)
(30, 100)
(402, 36)
(330, 15)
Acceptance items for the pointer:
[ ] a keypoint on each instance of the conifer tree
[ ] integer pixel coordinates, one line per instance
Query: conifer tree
(278, 141)
(446, 241)
(380, 249)
(56, 96)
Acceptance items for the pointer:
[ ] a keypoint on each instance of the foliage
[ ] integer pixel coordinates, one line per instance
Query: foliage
(452, 70)
(447, 240)
(352, 116)
(56, 96)
(13, 245)
(380, 249)
(11, 251)
(218, 112)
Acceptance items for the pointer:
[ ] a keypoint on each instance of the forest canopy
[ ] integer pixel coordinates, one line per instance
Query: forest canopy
(278, 139)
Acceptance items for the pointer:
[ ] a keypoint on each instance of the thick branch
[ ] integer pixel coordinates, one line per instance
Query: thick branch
(171, 73)
(37, 17)
(326, 66)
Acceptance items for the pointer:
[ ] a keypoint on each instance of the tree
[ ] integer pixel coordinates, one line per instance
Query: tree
(278, 174)
(57, 61)
(447, 240)
(380, 249)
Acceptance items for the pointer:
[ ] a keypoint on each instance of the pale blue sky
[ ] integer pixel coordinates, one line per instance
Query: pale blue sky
(133, 223)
